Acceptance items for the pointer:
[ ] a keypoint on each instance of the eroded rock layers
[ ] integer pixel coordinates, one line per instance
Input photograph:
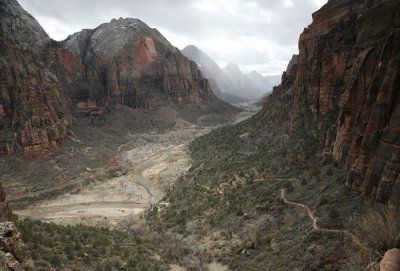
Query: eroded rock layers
(348, 71)
(33, 108)
(123, 62)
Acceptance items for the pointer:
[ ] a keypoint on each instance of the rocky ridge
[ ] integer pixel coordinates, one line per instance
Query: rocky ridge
(126, 62)
(347, 73)
(43, 82)
(14, 254)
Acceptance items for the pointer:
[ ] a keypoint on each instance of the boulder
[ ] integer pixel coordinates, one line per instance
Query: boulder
(391, 260)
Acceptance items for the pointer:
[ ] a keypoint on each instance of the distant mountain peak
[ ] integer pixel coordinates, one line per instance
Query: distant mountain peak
(232, 67)
(234, 85)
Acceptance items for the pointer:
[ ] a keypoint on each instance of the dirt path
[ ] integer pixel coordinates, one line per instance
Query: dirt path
(222, 186)
(310, 215)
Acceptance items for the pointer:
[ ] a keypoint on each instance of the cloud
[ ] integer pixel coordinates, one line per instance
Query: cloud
(255, 34)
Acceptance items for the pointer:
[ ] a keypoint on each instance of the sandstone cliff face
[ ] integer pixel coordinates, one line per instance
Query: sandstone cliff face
(126, 62)
(33, 108)
(123, 62)
(348, 68)
(14, 254)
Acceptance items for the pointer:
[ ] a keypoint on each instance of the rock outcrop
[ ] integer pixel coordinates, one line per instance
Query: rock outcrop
(347, 73)
(126, 62)
(5, 212)
(42, 82)
(391, 260)
(33, 108)
(14, 255)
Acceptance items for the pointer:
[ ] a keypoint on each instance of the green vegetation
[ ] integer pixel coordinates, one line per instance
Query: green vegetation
(378, 229)
(86, 248)
(230, 201)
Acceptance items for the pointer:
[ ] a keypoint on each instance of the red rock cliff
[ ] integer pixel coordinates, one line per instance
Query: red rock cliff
(127, 62)
(348, 71)
(33, 108)
(122, 62)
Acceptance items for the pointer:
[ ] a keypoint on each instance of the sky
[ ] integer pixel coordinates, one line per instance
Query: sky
(260, 35)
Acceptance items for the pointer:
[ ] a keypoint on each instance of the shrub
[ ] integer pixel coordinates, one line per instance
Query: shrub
(377, 229)
(333, 213)
(288, 187)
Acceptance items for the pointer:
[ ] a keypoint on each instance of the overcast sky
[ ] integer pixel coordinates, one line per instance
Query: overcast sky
(257, 35)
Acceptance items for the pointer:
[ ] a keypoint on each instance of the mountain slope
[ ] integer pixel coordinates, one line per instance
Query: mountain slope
(348, 70)
(126, 62)
(260, 81)
(272, 188)
(233, 84)
(33, 106)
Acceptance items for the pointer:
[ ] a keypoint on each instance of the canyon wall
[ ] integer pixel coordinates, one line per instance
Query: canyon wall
(43, 82)
(33, 107)
(348, 73)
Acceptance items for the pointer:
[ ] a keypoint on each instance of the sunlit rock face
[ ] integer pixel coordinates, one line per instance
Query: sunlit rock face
(348, 69)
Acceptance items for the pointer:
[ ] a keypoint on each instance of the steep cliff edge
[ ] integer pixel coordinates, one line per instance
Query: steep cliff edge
(14, 254)
(33, 107)
(42, 82)
(347, 73)
(127, 62)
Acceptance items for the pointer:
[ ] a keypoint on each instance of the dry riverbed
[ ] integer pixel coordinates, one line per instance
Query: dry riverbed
(145, 167)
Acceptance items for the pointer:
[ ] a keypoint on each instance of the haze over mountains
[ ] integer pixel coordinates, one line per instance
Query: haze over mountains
(230, 83)
(124, 141)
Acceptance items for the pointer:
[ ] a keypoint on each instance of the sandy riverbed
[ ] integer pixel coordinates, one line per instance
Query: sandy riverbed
(148, 164)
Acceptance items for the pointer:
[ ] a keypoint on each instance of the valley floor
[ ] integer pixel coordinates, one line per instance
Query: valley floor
(106, 177)
(143, 170)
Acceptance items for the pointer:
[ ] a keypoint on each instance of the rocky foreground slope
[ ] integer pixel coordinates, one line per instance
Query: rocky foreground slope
(43, 82)
(347, 73)
(14, 254)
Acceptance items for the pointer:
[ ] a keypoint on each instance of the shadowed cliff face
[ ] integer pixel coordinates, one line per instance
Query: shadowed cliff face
(5, 212)
(348, 69)
(126, 62)
(33, 108)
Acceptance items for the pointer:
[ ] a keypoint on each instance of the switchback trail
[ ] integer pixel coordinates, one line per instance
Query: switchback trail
(310, 214)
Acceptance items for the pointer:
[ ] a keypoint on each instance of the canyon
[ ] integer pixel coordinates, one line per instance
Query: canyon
(229, 83)
(347, 73)
(114, 131)
(44, 83)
